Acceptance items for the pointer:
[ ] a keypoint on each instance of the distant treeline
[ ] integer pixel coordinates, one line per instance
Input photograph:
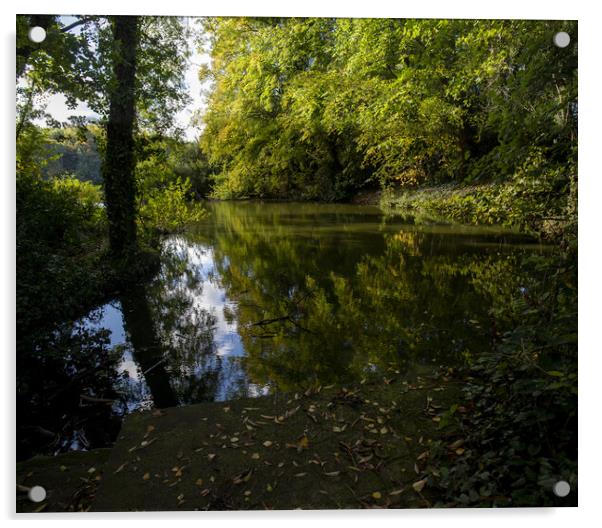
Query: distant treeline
(317, 108)
(73, 151)
(76, 151)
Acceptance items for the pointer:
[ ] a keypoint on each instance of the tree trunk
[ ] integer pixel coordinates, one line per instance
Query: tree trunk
(119, 162)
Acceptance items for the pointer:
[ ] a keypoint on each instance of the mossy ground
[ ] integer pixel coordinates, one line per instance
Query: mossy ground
(359, 447)
(70, 480)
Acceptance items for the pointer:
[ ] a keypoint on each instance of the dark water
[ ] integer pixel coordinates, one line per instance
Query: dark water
(276, 297)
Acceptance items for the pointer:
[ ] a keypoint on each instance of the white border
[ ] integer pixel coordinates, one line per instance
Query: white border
(590, 144)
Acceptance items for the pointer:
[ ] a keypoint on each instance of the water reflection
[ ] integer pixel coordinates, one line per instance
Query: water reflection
(180, 344)
(266, 297)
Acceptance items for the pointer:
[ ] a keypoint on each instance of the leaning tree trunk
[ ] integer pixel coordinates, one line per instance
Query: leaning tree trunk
(119, 162)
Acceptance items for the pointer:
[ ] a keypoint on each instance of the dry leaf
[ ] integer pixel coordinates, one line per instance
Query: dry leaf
(419, 485)
(456, 444)
(146, 476)
(376, 495)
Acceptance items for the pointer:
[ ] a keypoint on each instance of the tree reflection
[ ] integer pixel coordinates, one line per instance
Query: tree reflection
(147, 349)
(328, 298)
(65, 390)
(173, 337)
(315, 294)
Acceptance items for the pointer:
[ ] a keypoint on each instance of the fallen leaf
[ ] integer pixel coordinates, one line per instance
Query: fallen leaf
(255, 456)
(376, 495)
(199, 482)
(146, 476)
(419, 485)
(267, 443)
(243, 477)
(456, 444)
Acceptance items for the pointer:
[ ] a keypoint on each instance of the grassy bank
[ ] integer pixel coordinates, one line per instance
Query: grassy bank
(532, 207)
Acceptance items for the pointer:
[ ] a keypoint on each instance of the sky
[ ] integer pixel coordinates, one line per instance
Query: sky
(57, 107)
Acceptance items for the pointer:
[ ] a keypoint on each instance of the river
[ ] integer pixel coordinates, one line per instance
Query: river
(264, 297)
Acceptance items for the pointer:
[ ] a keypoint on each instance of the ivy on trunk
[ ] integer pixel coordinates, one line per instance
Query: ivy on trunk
(119, 163)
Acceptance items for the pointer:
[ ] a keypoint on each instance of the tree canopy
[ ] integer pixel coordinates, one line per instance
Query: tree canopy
(318, 108)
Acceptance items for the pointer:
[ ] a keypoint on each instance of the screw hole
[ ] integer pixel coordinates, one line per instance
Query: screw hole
(37, 494)
(37, 34)
(562, 39)
(562, 488)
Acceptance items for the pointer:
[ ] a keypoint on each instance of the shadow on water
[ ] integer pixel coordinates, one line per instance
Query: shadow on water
(271, 297)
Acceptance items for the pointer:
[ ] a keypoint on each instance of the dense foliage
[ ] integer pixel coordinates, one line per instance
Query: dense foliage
(319, 108)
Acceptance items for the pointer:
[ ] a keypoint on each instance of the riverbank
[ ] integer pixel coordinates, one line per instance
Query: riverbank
(538, 210)
(365, 446)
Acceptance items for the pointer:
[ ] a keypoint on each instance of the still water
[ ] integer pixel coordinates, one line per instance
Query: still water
(263, 297)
